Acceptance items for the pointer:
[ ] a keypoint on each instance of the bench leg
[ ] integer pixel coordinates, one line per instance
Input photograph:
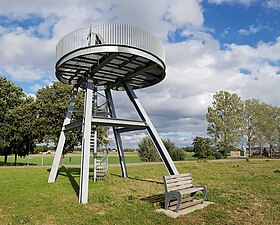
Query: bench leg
(204, 192)
(179, 200)
(168, 198)
(166, 201)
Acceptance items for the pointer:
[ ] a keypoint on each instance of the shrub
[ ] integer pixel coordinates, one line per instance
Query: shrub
(202, 147)
(146, 150)
(148, 153)
(218, 155)
(177, 154)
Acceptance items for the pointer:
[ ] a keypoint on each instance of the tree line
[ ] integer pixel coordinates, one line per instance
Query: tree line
(233, 123)
(25, 121)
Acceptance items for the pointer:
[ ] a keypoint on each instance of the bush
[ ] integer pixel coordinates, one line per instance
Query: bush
(188, 149)
(218, 155)
(177, 154)
(148, 153)
(202, 147)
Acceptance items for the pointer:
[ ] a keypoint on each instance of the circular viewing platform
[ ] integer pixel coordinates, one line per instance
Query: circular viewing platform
(111, 54)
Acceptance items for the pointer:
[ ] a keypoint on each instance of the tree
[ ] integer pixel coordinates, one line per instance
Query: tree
(277, 131)
(176, 154)
(11, 97)
(26, 127)
(250, 129)
(225, 120)
(148, 153)
(188, 149)
(52, 102)
(202, 147)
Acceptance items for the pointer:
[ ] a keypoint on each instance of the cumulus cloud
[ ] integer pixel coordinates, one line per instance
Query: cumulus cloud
(196, 68)
(182, 13)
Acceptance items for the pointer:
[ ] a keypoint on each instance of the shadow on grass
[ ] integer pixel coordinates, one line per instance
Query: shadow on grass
(136, 178)
(17, 164)
(155, 199)
(71, 173)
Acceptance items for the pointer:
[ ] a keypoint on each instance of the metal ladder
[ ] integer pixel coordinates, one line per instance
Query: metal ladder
(100, 158)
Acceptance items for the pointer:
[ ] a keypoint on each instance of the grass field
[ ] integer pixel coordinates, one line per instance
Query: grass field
(243, 193)
(130, 157)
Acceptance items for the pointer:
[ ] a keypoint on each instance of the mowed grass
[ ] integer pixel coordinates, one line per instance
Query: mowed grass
(68, 159)
(130, 157)
(242, 192)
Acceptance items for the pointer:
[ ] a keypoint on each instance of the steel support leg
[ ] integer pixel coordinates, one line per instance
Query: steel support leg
(95, 136)
(61, 140)
(84, 177)
(116, 133)
(152, 131)
(95, 153)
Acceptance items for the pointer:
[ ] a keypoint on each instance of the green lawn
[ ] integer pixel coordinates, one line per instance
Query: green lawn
(48, 159)
(243, 192)
(130, 157)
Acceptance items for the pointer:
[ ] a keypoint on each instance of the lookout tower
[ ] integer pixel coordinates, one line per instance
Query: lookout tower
(108, 57)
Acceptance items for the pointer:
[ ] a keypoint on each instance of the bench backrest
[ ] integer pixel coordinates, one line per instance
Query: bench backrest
(177, 182)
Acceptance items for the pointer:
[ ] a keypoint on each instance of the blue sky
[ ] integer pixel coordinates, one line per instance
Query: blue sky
(211, 45)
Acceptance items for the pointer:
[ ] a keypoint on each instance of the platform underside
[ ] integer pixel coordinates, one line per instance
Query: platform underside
(110, 66)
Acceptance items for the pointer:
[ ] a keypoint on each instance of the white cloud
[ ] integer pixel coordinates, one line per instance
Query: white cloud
(252, 30)
(36, 87)
(25, 74)
(182, 13)
(274, 4)
(245, 2)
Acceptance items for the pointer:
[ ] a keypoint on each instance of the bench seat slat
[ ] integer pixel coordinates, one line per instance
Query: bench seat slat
(190, 190)
(178, 179)
(178, 175)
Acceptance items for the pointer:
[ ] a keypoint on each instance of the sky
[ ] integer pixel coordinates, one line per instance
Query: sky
(210, 45)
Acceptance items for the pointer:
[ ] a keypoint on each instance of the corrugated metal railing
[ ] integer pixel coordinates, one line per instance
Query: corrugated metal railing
(111, 33)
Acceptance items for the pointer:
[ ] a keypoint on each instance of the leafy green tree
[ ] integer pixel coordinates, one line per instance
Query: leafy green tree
(225, 120)
(188, 149)
(277, 121)
(264, 124)
(176, 154)
(11, 97)
(148, 153)
(202, 147)
(26, 127)
(250, 120)
(52, 102)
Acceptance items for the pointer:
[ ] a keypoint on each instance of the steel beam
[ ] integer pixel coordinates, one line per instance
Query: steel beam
(84, 177)
(116, 133)
(152, 131)
(61, 140)
(74, 125)
(118, 122)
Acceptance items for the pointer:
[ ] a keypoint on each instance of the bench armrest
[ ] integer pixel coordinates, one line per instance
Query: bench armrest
(204, 191)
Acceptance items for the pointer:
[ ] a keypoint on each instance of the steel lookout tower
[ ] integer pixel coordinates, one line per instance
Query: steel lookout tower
(108, 57)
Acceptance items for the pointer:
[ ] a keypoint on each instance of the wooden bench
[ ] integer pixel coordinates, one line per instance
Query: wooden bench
(179, 186)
